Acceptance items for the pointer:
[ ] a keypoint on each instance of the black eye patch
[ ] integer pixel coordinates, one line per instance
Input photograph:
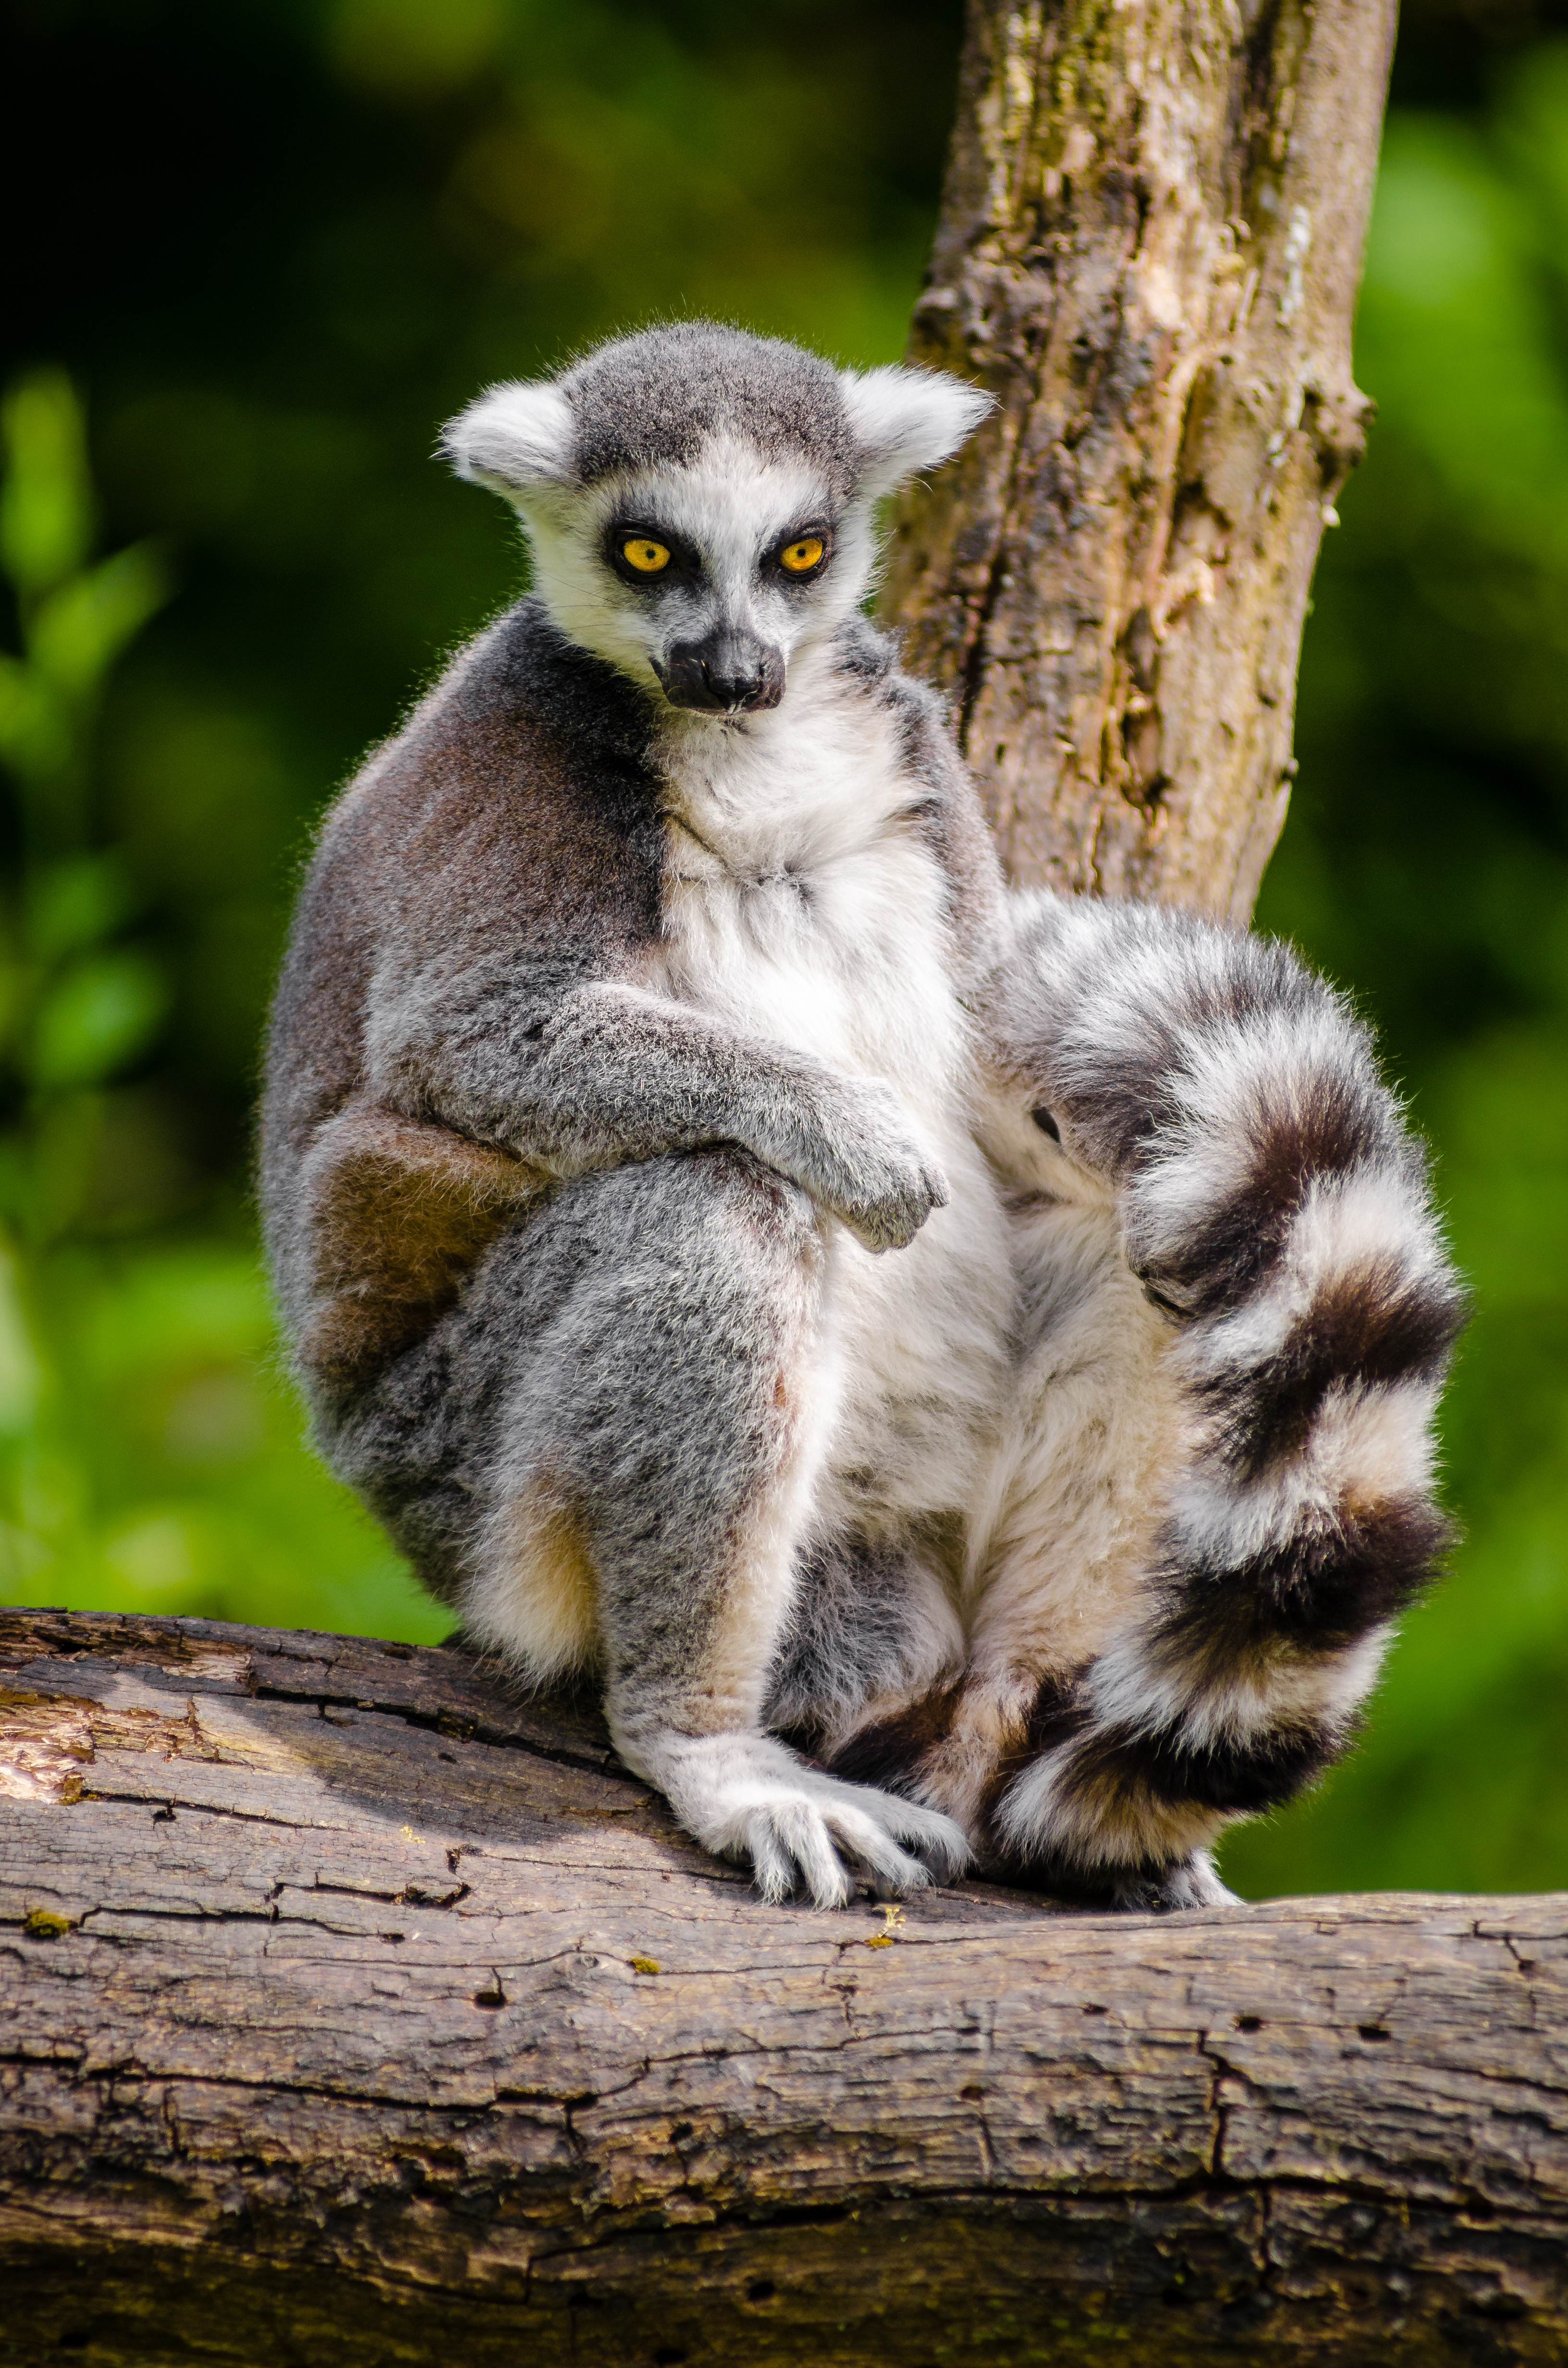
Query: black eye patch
(646, 555)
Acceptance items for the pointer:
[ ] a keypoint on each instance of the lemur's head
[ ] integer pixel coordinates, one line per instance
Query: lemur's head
(699, 501)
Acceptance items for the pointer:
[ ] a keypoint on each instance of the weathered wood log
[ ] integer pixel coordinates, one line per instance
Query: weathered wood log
(352, 2010)
(1150, 246)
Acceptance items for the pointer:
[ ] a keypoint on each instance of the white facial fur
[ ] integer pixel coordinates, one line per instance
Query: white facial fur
(734, 508)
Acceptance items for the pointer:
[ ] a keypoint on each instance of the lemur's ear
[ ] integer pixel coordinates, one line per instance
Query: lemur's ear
(908, 419)
(515, 439)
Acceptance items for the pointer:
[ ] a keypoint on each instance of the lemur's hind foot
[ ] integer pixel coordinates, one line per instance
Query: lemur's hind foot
(1191, 1883)
(1129, 1891)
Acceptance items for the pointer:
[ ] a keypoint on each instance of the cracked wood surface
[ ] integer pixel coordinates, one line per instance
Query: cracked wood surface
(1149, 251)
(351, 2008)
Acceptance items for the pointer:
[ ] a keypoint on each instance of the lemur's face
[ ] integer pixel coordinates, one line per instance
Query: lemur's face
(704, 577)
(700, 500)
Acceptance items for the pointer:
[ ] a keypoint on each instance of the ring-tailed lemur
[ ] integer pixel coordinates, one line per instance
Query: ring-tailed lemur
(959, 1363)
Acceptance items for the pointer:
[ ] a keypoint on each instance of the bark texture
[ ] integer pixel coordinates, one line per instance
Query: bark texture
(1150, 246)
(352, 2010)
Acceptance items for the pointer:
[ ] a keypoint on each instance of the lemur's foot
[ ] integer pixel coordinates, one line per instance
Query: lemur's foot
(747, 1796)
(1190, 1883)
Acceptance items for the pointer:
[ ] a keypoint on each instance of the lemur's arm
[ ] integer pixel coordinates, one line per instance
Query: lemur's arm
(1273, 1202)
(592, 1073)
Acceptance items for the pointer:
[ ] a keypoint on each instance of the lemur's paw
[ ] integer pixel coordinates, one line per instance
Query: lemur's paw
(875, 1178)
(1191, 1883)
(892, 1221)
(747, 1796)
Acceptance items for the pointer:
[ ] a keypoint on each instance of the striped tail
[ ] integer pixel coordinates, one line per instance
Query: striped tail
(1274, 1204)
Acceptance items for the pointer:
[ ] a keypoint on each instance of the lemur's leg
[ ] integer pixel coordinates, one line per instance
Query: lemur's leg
(1270, 1204)
(874, 1628)
(642, 1364)
(1061, 1529)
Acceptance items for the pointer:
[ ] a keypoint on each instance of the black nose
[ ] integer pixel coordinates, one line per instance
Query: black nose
(728, 670)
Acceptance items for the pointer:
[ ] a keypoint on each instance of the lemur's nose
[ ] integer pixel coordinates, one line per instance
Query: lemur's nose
(728, 669)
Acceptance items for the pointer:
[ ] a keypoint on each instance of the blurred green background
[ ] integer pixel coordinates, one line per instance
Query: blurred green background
(269, 247)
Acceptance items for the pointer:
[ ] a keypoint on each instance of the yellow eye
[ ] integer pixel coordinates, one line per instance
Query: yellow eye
(801, 557)
(648, 557)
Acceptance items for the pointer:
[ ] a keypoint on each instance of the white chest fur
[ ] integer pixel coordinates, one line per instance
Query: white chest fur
(802, 901)
(803, 904)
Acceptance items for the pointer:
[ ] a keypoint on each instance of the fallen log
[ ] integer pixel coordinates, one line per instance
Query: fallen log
(352, 2009)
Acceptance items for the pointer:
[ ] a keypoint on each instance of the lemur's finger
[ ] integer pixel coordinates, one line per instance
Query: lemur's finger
(773, 1870)
(802, 1832)
(875, 1847)
(937, 1839)
(940, 1841)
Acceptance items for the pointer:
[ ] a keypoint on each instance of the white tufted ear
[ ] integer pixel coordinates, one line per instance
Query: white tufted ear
(906, 419)
(513, 437)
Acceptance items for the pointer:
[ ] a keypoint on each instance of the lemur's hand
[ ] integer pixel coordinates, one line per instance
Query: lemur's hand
(864, 1166)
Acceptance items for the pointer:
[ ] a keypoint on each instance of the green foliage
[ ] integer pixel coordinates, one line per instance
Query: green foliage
(273, 301)
(46, 511)
(80, 1003)
(148, 1458)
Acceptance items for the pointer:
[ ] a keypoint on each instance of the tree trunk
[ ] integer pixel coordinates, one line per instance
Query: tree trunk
(1149, 250)
(352, 2011)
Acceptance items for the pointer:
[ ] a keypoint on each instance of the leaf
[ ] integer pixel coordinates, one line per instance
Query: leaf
(99, 1017)
(46, 504)
(406, 49)
(35, 730)
(76, 903)
(81, 629)
(20, 1376)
